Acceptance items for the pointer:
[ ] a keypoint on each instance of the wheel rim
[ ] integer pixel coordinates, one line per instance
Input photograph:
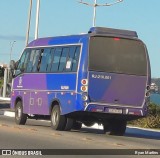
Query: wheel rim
(18, 113)
(55, 118)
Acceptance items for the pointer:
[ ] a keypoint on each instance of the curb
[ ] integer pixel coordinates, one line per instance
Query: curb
(7, 113)
(5, 99)
(145, 129)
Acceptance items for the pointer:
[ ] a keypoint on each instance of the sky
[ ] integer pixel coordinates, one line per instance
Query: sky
(66, 17)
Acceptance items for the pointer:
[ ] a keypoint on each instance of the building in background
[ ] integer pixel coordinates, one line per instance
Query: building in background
(154, 88)
(3, 65)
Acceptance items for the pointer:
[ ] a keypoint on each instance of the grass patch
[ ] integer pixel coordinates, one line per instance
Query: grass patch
(1, 82)
(151, 121)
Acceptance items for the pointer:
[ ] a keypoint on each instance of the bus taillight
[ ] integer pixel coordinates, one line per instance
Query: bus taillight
(84, 82)
(84, 88)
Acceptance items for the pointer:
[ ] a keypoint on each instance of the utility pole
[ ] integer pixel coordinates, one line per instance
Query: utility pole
(37, 19)
(95, 5)
(11, 44)
(29, 22)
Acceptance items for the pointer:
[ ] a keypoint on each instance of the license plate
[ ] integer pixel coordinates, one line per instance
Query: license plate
(116, 111)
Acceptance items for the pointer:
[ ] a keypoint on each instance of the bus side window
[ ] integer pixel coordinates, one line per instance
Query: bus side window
(63, 59)
(23, 62)
(50, 60)
(76, 59)
(46, 60)
(56, 60)
(33, 61)
(36, 60)
(70, 58)
(30, 61)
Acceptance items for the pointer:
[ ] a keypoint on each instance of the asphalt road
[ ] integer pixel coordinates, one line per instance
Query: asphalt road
(39, 135)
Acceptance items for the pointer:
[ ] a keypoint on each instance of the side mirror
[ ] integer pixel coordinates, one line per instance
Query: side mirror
(12, 65)
(16, 64)
(22, 70)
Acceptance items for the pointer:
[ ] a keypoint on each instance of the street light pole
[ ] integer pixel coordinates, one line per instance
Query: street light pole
(98, 5)
(29, 21)
(11, 44)
(37, 19)
(94, 13)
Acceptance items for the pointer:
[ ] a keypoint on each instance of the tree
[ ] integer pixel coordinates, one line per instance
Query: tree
(1, 71)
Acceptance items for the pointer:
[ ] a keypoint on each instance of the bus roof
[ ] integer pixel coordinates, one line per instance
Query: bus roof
(71, 39)
(113, 32)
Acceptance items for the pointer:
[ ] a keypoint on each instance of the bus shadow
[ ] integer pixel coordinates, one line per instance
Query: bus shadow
(130, 132)
(142, 133)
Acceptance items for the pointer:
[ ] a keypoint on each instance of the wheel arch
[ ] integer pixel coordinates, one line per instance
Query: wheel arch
(53, 103)
(19, 98)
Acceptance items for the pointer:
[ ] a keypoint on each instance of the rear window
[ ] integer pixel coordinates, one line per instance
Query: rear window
(116, 55)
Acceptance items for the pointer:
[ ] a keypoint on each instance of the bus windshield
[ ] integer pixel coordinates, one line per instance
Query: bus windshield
(117, 55)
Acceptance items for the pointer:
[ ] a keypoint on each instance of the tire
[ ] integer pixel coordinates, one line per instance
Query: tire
(69, 124)
(77, 125)
(106, 127)
(20, 117)
(58, 122)
(117, 127)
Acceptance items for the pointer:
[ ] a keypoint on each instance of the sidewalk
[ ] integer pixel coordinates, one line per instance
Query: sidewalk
(4, 101)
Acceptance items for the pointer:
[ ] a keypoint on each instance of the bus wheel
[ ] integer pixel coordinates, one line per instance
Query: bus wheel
(77, 125)
(20, 117)
(58, 122)
(106, 127)
(69, 124)
(118, 128)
